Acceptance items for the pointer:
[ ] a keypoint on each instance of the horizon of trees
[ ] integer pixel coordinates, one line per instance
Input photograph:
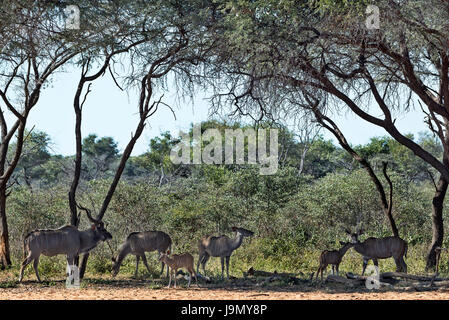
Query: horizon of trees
(40, 167)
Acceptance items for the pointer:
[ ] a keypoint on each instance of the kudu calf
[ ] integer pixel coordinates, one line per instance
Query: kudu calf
(66, 240)
(137, 243)
(221, 246)
(333, 258)
(178, 261)
(380, 248)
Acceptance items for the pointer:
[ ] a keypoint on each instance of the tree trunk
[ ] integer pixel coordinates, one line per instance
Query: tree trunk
(437, 222)
(5, 259)
(83, 265)
(113, 186)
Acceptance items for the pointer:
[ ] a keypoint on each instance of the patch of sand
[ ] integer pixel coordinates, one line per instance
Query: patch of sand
(27, 292)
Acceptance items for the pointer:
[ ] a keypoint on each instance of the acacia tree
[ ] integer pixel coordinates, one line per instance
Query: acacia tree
(34, 46)
(166, 42)
(324, 49)
(78, 103)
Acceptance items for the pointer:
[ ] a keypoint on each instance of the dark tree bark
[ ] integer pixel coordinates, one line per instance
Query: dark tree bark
(388, 210)
(5, 256)
(5, 259)
(437, 221)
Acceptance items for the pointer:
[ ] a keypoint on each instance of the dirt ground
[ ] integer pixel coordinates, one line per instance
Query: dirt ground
(147, 290)
(203, 294)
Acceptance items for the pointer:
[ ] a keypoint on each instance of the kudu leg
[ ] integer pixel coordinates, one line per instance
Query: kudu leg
(163, 264)
(404, 265)
(318, 272)
(176, 272)
(144, 259)
(204, 261)
(25, 262)
(162, 269)
(137, 265)
(227, 266)
(200, 258)
(323, 268)
(169, 280)
(35, 264)
(376, 264)
(365, 263)
(401, 266)
(192, 272)
(222, 267)
(71, 261)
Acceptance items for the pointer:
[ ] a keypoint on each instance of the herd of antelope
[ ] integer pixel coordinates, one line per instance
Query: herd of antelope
(70, 241)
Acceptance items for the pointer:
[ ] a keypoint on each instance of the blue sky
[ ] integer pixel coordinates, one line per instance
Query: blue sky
(108, 111)
(111, 112)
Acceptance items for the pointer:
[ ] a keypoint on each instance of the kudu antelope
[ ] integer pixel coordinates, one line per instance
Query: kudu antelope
(137, 243)
(380, 248)
(333, 257)
(66, 240)
(178, 261)
(221, 246)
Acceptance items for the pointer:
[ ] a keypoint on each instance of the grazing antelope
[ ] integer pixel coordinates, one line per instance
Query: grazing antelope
(177, 261)
(66, 240)
(380, 248)
(221, 246)
(137, 243)
(333, 257)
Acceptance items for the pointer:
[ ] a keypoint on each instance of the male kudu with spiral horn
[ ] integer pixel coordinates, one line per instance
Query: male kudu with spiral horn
(66, 240)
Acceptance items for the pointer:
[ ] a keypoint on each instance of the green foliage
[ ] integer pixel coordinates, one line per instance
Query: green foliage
(293, 216)
(100, 154)
(100, 147)
(35, 156)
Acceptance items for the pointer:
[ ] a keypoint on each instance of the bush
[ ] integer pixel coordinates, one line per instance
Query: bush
(293, 217)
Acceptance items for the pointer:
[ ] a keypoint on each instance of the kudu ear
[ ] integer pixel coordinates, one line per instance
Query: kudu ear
(93, 227)
(361, 231)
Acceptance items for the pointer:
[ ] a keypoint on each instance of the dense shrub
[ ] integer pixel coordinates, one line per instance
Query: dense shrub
(293, 217)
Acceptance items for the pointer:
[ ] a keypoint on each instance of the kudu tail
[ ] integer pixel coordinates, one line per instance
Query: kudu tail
(406, 249)
(25, 245)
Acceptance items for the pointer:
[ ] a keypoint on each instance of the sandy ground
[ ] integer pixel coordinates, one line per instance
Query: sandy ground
(142, 290)
(204, 294)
